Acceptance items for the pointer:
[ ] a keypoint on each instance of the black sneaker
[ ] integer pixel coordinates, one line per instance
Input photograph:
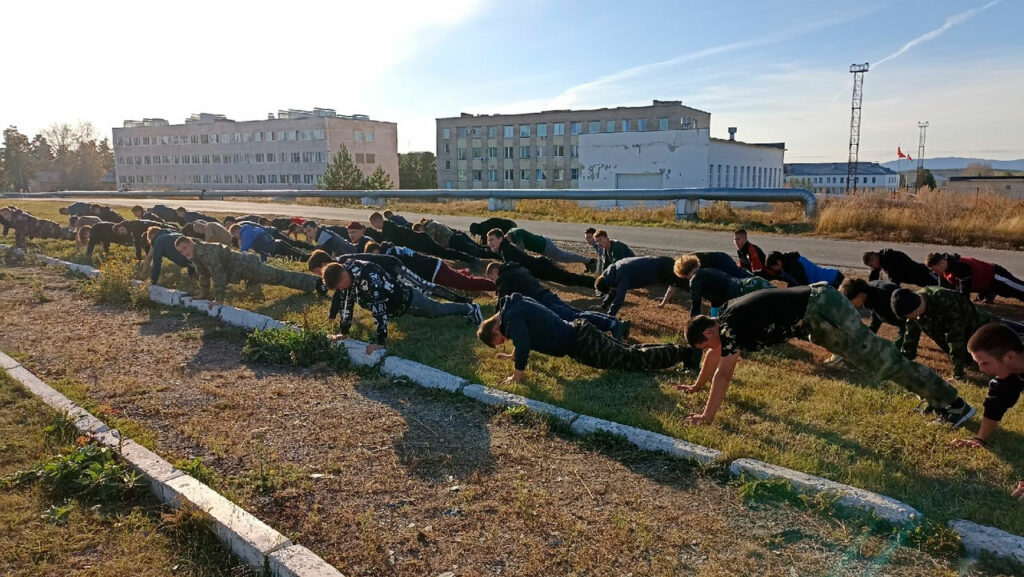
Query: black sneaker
(956, 414)
(591, 266)
(625, 326)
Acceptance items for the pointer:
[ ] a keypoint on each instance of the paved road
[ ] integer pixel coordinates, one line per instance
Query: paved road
(827, 251)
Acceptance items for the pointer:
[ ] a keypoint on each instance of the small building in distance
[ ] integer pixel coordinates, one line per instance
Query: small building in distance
(1009, 186)
(288, 151)
(830, 177)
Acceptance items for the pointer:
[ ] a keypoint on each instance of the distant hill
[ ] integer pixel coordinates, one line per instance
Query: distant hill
(957, 163)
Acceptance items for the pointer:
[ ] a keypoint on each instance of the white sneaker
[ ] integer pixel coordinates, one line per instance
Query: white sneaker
(833, 360)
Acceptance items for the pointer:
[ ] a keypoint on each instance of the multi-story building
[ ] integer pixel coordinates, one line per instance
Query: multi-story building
(541, 149)
(830, 177)
(212, 152)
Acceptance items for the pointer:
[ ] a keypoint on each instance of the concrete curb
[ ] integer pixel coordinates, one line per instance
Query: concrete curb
(978, 538)
(251, 539)
(422, 375)
(647, 440)
(489, 396)
(884, 507)
(357, 353)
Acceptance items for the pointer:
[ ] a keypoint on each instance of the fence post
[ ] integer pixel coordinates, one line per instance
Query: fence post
(686, 208)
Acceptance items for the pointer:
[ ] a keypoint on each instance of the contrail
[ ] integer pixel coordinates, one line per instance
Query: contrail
(950, 22)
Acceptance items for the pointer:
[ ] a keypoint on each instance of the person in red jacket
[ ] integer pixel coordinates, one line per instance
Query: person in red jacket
(751, 255)
(970, 275)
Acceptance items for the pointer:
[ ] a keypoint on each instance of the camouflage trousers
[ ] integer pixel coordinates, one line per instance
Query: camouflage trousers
(596, 349)
(249, 267)
(754, 283)
(835, 324)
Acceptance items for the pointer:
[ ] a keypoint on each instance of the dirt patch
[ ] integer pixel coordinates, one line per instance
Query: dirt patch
(386, 479)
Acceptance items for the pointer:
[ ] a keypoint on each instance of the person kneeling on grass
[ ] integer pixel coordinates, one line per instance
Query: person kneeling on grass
(999, 352)
(765, 318)
(218, 263)
(532, 326)
(384, 296)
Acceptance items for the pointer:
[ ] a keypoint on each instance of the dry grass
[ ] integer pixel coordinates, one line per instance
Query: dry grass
(932, 216)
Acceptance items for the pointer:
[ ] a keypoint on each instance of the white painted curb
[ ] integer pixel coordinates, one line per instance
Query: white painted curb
(884, 507)
(978, 538)
(297, 561)
(489, 396)
(357, 353)
(422, 375)
(647, 440)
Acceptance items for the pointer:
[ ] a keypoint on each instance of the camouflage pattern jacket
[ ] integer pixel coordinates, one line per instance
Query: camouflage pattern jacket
(949, 319)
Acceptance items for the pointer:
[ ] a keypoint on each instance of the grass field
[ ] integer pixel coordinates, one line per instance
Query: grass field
(784, 407)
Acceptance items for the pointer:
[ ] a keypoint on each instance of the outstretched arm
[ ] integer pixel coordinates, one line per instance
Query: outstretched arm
(719, 386)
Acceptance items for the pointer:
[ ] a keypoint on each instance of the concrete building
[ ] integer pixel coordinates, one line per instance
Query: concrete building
(1009, 186)
(541, 149)
(676, 159)
(830, 177)
(287, 151)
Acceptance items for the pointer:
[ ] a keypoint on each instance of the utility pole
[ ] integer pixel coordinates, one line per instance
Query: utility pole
(858, 71)
(923, 127)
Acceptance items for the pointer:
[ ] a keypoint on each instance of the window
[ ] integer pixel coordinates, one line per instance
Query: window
(541, 175)
(508, 131)
(285, 179)
(524, 131)
(257, 136)
(492, 132)
(195, 159)
(524, 175)
(478, 152)
(270, 157)
(461, 132)
(296, 157)
(492, 152)
(446, 133)
(281, 135)
(369, 136)
(461, 153)
(558, 174)
(574, 173)
(542, 131)
(206, 158)
(594, 127)
(462, 175)
(359, 157)
(359, 135)
(260, 157)
(625, 126)
(309, 178)
(146, 159)
(558, 129)
(370, 158)
(574, 151)
(478, 175)
(492, 175)
(662, 124)
(641, 124)
(447, 165)
(609, 126)
(509, 152)
(261, 179)
(558, 150)
(296, 178)
(509, 174)
(524, 152)
(576, 128)
(194, 138)
(540, 152)
(446, 148)
(271, 178)
(248, 159)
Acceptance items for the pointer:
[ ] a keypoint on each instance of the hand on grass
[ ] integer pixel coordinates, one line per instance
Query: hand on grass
(968, 443)
(336, 338)
(372, 348)
(698, 419)
(689, 389)
(503, 355)
(1019, 491)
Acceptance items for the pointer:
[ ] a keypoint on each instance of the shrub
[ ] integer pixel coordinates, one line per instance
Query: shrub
(116, 285)
(295, 348)
(90, 472)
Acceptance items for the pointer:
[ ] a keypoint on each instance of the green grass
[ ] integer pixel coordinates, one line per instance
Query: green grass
(783, 407)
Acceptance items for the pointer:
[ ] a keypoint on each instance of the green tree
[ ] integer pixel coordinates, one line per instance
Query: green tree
(342, 173)
(379, 180)
(925, 178)
(16, 158)
(417, 170)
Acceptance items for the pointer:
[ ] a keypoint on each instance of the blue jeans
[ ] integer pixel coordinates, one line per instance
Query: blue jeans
(568, 313)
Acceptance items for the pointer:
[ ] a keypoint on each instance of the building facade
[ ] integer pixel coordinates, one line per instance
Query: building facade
(288, 151)
(541, 149)
(830, 177)
(1008, 186)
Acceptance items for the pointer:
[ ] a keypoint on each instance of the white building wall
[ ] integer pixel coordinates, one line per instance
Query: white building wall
(836, 183)
(739, 165)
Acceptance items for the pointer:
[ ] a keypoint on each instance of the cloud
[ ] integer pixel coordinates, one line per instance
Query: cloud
(950, 22)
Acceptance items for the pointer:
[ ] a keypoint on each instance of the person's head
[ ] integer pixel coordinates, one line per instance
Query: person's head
(181, 211)
(137, 211)
(310, 228)
(95, 209)
(937, 262)
(294, 228)
(84, 233)
(236, 231)
(589, 234)
(388, 214)
(489, 332)
(356, 230)
(602, 240)
(855, 289)
(185, 246)
(702, 332)
(229, 220)
(317, 261)
(64, 210)
(997, 350)
(494, 238)
(373, 248)
(686, 265)
(601, 284)
(773, 260)
(199, 226)
(739, 238)
(336, 277)
(264, 221)
(376, 220)
(151, 233)
(475, 228)
(872, 260)
(418, 227)
(120, 229)
(492, 270)
(907, 304)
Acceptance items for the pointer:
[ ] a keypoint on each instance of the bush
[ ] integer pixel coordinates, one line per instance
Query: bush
(116, 285)
(90, 473)
(294, 348)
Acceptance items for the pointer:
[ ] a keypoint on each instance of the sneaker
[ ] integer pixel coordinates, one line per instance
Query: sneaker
(625, 326)
(956, 414)
(475, 315)
(833, 360)
(925, 408)
(591, 265)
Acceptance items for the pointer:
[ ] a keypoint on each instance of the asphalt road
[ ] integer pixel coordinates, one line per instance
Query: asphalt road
(826, 251)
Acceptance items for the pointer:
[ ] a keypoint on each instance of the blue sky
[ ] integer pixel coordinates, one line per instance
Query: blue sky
(777, 70)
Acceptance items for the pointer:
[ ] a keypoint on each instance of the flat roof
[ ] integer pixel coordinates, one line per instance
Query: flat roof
(835, 169)
(654, 104)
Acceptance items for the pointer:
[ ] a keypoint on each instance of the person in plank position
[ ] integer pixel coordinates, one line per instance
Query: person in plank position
(713, 284)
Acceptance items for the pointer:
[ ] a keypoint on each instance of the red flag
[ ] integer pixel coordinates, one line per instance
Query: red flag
(908, 157)
(899, 152)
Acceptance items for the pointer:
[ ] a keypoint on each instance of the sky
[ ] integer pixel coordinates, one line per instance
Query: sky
(779, 70)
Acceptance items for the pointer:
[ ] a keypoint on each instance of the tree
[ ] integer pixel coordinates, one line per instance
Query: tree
(342, 173)
(16, 158)
(417, 170)
(925, 178)
(379, 180)
(978, 169)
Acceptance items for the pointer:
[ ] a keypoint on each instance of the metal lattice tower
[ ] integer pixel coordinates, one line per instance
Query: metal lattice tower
(923, 127)
(858, 71)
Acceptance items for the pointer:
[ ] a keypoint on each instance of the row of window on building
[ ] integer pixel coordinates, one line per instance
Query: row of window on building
(733, 176)
(247, 158)
(558, 128)
(226, 137)
(220, 179)
(857, 179)
(491, 152)
(509, 174)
